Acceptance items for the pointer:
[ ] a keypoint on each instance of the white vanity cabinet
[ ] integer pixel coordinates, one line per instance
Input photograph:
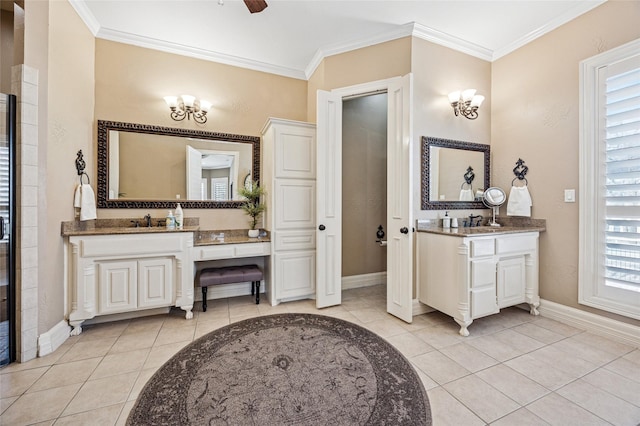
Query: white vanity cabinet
(112, 274)
(289, 177)
(469, 277)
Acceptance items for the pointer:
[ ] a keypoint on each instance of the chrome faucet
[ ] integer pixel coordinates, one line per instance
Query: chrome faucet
(148, 219)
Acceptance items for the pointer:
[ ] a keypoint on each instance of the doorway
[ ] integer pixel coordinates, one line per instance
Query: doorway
(364, 190)
(399, 211)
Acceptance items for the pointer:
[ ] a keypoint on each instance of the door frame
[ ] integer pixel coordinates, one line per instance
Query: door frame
(359, 90)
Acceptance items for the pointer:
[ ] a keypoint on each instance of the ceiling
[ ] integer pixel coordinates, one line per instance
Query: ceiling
(291, 37)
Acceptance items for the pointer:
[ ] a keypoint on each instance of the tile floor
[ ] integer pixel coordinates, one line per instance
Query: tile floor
(514, 369)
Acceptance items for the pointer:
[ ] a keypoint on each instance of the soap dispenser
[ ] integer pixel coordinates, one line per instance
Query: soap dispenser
(179, 217)
(171, 221)
(446, 221)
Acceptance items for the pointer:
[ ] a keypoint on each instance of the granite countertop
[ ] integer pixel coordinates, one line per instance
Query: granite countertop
(125, 226)
(508, 226)
(228, 236)
(122, 226)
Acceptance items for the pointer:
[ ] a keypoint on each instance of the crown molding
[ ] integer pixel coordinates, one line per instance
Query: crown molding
(558, 21)
(343, 47)
(85, 14)
(447, 40)
(410, 29)
(194, 52)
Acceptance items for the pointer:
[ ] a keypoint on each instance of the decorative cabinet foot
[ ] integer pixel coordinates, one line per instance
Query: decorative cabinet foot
(534, 308)
(463, 327)
(188, 315)
(77, 328)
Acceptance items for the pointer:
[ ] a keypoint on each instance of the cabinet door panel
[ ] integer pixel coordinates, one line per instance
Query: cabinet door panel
(483, 288)
(155, 282)
(295, 153)
(483, 302)
(118, 286)
(295, 274)
(295, 204)
(511, 281)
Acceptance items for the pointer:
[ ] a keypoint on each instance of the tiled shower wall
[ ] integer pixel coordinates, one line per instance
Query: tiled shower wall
(24, 84)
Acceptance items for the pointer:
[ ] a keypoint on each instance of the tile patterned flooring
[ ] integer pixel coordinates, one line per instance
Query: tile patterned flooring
(514, 369)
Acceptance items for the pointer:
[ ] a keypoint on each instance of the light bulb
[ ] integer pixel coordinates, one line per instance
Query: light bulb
(172, 101)
(188, 100)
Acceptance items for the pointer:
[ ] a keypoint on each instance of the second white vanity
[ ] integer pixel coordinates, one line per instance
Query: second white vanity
(469, 273)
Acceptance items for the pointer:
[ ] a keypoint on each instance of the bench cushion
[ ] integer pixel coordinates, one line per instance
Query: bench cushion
(229, 274)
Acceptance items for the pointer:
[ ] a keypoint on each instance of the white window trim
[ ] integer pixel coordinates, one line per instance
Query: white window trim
(591, 169)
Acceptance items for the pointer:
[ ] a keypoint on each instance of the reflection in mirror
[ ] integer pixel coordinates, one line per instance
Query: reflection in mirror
(454, 174)
(143, 166)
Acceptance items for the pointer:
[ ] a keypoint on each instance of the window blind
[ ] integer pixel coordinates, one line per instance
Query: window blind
(622, 180)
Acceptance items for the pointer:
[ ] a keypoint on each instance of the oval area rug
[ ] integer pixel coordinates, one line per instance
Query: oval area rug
(285, 369)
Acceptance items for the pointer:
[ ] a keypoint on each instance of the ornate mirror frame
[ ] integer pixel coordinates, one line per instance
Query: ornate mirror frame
(103, 165)
(427, 143)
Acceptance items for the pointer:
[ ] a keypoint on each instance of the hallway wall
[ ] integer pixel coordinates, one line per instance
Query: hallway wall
(364, 184)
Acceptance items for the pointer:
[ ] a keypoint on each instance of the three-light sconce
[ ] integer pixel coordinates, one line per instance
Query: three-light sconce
(188, 106)
(466, 103)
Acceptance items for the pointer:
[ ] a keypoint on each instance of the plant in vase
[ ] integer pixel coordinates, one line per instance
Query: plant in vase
(252, 206)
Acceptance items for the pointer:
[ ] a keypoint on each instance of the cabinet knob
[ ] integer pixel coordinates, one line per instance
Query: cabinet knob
(322, 227)
(404, 230)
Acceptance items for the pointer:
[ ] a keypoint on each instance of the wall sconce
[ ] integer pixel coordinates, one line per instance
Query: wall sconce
(187, 106)
(466, 103)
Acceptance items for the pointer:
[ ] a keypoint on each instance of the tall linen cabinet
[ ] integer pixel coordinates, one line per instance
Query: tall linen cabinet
(289, 176)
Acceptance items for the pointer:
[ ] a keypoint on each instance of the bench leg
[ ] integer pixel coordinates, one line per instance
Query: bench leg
(257, 284)
(204, 299)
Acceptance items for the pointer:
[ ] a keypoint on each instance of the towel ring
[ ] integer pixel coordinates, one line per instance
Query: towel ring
(88, 180)
(466, 183)
(526, 182)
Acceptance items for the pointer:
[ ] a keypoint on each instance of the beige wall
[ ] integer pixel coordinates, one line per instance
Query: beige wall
(384, 60)
(535, 117)
(437, 71)
(69, 128)
(364, 184)
(132, 81)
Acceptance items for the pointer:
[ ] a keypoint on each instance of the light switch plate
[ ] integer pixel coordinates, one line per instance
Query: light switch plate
(569, 195)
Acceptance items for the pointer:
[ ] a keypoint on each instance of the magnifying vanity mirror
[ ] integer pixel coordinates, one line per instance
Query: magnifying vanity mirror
(455, 174)
(493, 198)
(143, 166)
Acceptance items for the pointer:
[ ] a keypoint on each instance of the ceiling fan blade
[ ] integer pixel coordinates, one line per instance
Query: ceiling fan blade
(256, 6)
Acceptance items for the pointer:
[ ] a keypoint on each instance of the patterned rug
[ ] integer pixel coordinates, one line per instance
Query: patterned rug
(285, 369)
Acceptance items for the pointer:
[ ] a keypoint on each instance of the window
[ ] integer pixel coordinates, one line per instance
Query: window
(610, 181)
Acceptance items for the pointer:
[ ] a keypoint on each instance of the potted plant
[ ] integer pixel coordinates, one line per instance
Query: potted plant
(252, 192)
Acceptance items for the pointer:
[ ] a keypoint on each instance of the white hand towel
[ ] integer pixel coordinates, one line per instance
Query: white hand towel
(87, 203)
(466, 195)
(519, 202)
(76, 197)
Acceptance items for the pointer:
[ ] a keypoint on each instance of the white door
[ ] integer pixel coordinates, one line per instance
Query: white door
(399, 195)
(329, 200)
(400, 230)
(194, 174)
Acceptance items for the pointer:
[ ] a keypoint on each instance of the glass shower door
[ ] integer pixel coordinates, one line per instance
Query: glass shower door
(7, 213)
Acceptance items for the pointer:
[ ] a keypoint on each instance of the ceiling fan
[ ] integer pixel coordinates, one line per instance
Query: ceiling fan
(255, 6)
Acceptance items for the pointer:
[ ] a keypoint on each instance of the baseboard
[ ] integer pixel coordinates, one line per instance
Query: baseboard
(626, 333)
(52, 339)
(364, 280)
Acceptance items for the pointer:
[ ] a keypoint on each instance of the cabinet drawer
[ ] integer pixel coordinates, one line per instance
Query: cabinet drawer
(482, 247)
(229, 251)
(516, 244)
(483, 302)
(295, 240)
